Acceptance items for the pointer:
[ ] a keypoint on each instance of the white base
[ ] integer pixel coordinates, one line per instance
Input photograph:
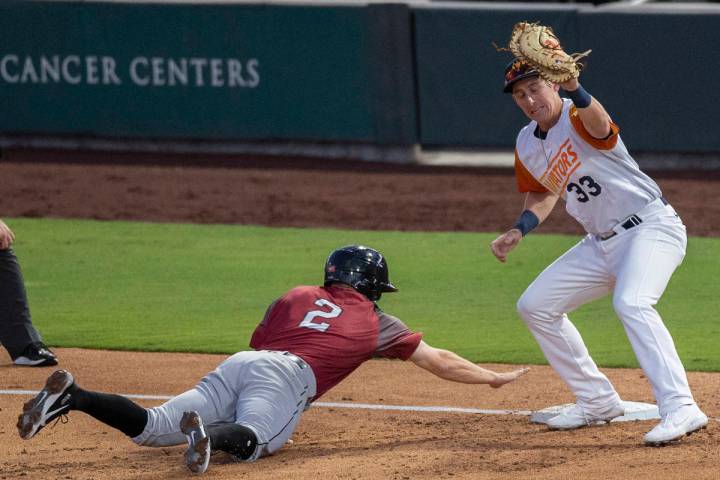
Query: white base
(633, 411)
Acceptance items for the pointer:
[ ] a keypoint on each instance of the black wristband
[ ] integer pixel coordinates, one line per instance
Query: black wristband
(579, 97)
(527, 222)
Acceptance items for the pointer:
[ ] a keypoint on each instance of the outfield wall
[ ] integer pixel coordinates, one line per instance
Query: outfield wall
(346, 73)
(218, 72)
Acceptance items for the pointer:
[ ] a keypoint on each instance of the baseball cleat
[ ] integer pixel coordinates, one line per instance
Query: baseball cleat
(577, 417)
(36, 354)
(682, 421)
(49, 404)
(197, 456)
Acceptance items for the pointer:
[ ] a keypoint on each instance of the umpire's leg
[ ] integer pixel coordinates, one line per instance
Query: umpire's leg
(16, 328)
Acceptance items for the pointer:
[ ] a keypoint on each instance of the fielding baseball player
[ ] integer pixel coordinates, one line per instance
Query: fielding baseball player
(571, 149)
(310, 339)
(17, 333)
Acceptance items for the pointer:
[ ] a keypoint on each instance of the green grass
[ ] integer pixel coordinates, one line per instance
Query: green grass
(200, 288)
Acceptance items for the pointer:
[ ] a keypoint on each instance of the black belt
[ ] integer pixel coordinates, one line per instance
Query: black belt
(631, 222)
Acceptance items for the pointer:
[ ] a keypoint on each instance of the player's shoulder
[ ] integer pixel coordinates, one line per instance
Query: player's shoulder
(302, 291)
(347, 295)
(524, 143)
(525, 133)
(333, 293)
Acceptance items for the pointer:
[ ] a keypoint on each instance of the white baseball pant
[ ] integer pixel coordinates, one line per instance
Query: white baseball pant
(636, 266)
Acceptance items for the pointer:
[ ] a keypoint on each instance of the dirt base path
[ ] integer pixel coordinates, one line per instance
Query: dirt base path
(360, 444)
(296, 192)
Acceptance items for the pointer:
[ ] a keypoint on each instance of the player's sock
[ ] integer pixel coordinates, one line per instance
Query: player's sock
(232, 438)
(114, 410)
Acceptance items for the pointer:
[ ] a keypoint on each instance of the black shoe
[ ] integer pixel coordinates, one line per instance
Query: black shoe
(50, 403)
(36, 354)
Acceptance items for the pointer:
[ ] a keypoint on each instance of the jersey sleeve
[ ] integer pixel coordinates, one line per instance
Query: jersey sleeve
(525, 181)
(395, 339)
(598, 143)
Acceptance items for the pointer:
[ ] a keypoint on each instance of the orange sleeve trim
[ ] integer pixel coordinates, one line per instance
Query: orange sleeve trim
(599, 143)
(525, 181)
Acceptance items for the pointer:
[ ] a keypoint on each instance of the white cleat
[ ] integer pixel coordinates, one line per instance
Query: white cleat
(682, 421)
(197, 455)
(577, 417)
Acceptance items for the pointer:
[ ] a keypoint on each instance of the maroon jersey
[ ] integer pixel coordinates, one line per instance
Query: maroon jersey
(334, 329)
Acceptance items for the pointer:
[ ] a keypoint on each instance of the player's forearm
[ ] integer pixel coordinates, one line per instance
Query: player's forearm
(457, 369)
(541, 204)
(593, 116)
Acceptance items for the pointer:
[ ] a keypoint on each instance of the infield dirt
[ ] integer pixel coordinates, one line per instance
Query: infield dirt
(333, 442)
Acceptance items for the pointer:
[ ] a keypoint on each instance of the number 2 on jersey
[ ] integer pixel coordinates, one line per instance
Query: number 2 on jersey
(334, 312)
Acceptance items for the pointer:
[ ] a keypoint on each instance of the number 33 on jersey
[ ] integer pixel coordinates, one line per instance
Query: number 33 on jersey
(598, 179)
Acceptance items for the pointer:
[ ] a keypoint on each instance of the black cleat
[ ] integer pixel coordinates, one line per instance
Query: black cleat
(49, 404)
(36, 354)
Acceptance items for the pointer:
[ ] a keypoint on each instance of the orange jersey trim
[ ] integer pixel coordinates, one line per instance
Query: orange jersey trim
(552, 161)
(525, 181)
(599, 143)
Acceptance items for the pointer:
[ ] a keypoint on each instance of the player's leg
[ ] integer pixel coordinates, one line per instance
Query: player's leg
(271, 397)
(237, 440)
(205, 416)
(644, 260)
(61, 394)
(273, 401)
(577, 277)
(17, 333)
(213, 398)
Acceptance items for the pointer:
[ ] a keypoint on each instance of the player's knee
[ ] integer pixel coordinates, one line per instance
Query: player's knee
(626, 305)
(237, 440)
(528, 305)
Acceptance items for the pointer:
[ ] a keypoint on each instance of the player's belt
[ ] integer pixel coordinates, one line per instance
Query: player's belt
(630, 222)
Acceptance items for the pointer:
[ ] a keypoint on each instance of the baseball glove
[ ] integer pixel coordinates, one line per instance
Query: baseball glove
(539, 46)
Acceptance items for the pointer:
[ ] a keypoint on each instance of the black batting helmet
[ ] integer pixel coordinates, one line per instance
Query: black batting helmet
(362, 268)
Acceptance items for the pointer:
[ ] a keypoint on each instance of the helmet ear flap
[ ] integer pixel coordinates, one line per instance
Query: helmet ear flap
(369, 288)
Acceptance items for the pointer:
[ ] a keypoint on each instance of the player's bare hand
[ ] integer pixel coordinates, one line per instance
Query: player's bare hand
(502, 245)
(7, 237)
(507, 377)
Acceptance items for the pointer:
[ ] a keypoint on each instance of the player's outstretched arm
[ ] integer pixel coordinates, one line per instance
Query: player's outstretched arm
(593, 116)
(450, 366)
(538, 204)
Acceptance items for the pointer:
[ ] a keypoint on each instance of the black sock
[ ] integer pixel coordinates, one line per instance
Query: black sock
(114, 410)
(232, 438)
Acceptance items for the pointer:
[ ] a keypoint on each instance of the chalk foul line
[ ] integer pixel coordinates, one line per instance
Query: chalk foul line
(358, 406)
(361, 406)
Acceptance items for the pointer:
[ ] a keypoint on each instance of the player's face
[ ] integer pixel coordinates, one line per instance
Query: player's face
(538, 100)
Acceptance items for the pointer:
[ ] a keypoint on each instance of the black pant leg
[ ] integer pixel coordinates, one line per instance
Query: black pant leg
(113, 410)
(16, 328)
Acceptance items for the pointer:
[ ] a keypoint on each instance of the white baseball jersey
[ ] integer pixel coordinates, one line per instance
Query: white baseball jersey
(600, 182)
